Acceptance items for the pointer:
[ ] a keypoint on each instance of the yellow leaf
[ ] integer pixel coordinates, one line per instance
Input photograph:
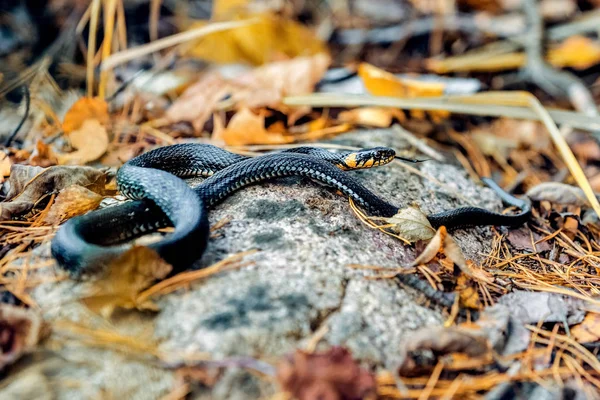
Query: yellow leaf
(70, 202)
(125, 279)
(269, 39)
(247, 128)
(223, 9)
(577, 52)
(84, 109)
(90, 140)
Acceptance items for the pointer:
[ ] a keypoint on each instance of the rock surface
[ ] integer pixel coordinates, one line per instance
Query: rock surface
(300, 283)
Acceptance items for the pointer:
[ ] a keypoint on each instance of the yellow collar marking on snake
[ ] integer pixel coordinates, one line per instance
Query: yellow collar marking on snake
(350, 161)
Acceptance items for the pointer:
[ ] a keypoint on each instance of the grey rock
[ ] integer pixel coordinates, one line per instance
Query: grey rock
(300, 280)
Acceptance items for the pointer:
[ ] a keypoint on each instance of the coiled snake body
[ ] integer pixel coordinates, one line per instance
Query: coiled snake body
(161, 198)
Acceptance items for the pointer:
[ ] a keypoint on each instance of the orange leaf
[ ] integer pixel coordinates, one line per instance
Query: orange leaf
(383, 83)
(70, 202)
(4, 166)
(84, 109)
(247, 128)
(588, 330)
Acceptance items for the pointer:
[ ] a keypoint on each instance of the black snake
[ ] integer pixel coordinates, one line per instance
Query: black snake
(160, 199)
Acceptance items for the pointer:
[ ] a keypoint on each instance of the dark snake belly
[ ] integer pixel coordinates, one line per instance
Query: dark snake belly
(161, 199)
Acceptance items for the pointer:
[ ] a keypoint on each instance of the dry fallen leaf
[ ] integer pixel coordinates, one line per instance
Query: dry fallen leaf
(70, 202)
(422, 351)
(382, 83)
(268, 84)
(261, 87)
(247, 128)
(125, 279)
(523, 239)
(332, 375)
(43, 155)
(268, 38)
(558, 193)
(577, 52)
(198, 102)
(30, 184)
(588, 331)
(84, 109)
(411, 224)
(90, 140)
(5, 165)
(443, 241)
(467, 293)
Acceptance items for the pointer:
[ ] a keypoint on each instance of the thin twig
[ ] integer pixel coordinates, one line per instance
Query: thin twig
(27, 96)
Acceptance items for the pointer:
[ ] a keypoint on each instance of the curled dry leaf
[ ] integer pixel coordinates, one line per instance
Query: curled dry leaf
(558, 193)
(332, 375)
(70, 202)
(411, 224)
(28, 185)
(443, 241)
(90, 141)
(247, 128)
(20, 331)
(422, 351)
(125, 279)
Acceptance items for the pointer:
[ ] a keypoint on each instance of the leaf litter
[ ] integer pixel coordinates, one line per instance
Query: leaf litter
(531, 303)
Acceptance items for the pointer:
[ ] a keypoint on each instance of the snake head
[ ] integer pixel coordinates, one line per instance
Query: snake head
(368, 158)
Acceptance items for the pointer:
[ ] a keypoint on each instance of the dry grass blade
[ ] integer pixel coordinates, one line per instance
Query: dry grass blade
(573, 119)
(183, 279)
(108, 339)
(179, 38)
(91, 50)
(109, 27)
